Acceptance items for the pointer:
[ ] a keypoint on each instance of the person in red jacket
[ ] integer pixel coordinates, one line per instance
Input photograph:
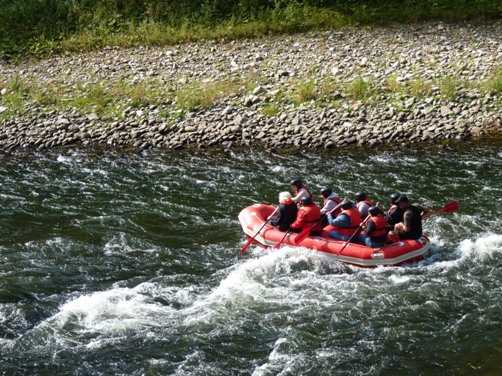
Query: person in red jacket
(309, 214)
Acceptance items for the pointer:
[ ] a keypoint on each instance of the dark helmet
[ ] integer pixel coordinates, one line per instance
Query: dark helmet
(306, 200)
(402, 198)
(394, 197)
(360, 196)
(346, 204)
(326, 192)
(297, 182)
(374, 210)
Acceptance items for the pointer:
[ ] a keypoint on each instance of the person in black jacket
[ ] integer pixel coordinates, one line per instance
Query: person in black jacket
(411, 227)
(286, 213)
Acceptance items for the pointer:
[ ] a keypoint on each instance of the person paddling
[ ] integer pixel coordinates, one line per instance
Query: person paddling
(346, 222)
(411, 227)
(394, 214)
(300, 190)
(331, 200)
(286, 212)
(363, 204)
(375, 232)
(308, 215)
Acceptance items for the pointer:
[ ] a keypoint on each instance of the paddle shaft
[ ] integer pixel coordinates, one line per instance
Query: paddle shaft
(352, 237)
(306, 232)
(284, 237)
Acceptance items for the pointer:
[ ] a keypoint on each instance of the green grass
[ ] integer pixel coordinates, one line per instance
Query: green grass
(110, 99)
(43, 27)
(304, 92)
(448, 87)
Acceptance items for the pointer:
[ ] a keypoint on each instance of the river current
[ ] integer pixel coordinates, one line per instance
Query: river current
(130, 264)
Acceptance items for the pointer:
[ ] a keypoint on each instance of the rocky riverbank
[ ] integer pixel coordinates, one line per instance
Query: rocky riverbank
(331, 89)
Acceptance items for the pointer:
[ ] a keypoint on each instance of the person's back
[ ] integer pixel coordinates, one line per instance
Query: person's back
(394, 214)
(331, 200)
(411, 227)
(286, 213)
(308, 215)
(375, 232)
(346, 222)
(412, 218)
(363, 204)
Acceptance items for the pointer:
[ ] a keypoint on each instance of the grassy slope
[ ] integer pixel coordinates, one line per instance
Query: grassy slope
(41, 27)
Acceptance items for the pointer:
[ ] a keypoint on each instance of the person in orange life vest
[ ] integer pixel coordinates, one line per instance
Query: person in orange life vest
(331, 200)
(375, 232)
(286, 212)
(346, 223)
(300, 190)
(309, 214)
(411, 227)
(363, 204)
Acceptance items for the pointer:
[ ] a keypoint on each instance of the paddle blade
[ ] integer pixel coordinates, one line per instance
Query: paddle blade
(451, 207)
(447, 208)
(246, 246)
(301, 236)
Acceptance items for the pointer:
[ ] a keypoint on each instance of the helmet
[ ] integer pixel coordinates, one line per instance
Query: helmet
(297, 182)
(374, 210)
(402, 198)
(394, 197)
(326, 192)
(360, 196)
(306, 200)
(346, 204)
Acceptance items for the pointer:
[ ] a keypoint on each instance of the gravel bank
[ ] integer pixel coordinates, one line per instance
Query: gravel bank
(274, 69)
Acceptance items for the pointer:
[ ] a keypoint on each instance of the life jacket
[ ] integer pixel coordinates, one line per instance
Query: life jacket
(380, 223)
(355, 221)
(335, 199)
(394, 215)
(307, 189)
(366, 201)
(307, 216)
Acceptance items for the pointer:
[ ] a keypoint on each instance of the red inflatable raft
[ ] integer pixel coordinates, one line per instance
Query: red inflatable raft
(253, 218)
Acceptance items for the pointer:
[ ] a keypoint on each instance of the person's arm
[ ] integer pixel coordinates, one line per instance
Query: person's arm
(299, 194)
(343, 220)
(408, 214)
(370, 227)
(423, 209)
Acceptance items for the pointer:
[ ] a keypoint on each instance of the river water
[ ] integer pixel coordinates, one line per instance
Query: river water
(130, 264)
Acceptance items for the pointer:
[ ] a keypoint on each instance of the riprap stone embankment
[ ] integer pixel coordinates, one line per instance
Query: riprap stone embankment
(403, 75)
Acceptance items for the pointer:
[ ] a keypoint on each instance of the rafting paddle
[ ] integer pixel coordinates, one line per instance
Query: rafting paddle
(284, 237)
(306, 231)
(447, 208)
(359, 228)
(248, 243)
